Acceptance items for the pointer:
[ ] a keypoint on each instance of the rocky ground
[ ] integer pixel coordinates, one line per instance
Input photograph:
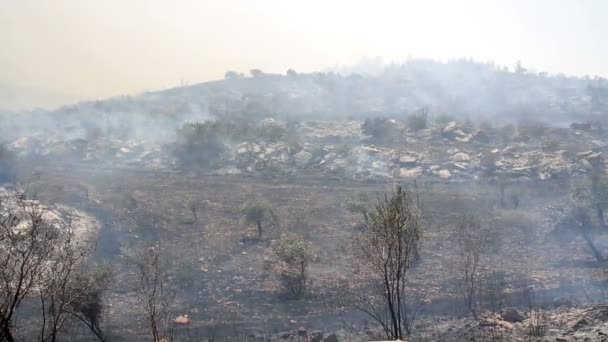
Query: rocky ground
(340, 149)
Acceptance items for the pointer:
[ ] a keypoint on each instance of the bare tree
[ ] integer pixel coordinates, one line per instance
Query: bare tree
(386, 251)
(27, 242)
(57, 288)
(471, 239)
(155, 293)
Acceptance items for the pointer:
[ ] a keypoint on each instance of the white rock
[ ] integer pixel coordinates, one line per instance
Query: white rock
(302, 158)
(410, 173)
(461, 157)
(445, 174)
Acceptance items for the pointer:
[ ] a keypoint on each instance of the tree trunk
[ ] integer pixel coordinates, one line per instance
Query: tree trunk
(259, 228)
(600, 216)
(596, 253)
(6, 334)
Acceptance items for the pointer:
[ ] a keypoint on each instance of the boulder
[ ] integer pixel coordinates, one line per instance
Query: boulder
(585, 164)
(445, 174)
(407, 161)
(508, 149)
(462, 136)
(512, 315)
(182, 319)
(459, 166)
(461, 157)
(330, 156)
(594, 158)
(562, 301)
(410, 173)
(302, 158)
(584, 155)
(450, 128)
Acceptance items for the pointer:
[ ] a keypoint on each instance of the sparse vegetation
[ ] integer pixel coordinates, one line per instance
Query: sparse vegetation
(41, 258)
(189, 183)
(257, 213)
(471, 239)
(382, 130)
(155, 290)
(294, 254)
(272, 132)
(417, 121)
(200, 144)
(387, 251)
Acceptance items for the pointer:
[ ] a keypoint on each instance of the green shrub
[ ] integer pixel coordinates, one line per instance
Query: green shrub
(294, 253)
(444, 119)
(381, 130)
(200, 144)
(257, 213)
(271, 132)
(417, 121)
(550, 145)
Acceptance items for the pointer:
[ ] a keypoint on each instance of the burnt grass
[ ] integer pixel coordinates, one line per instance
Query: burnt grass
(227, 288)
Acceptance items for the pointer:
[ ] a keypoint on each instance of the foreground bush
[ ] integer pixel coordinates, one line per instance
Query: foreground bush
(294, 254)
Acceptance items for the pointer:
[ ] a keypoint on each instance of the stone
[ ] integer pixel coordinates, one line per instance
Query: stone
(302, 158)
(445, 174)
(562, 301)
(585, 154)
(459, 166)
(330, 157)
(182, 319)
(302, 332)
(463, 137)
(450, 128)
(461, 157)
(505, 325)
(407, 161)
(511, 315)
(508, 149)
(410, 173)
(579, 324)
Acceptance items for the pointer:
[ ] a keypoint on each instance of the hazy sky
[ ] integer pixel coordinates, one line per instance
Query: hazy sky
(97, 48)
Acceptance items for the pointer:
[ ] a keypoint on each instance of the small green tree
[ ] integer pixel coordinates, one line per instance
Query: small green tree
(200, 144)
(294, 253)
(257, 213)
(418, 120)
(271, 132)
(386, 252)
(359, 205)
(381, 130)
(89, 307)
